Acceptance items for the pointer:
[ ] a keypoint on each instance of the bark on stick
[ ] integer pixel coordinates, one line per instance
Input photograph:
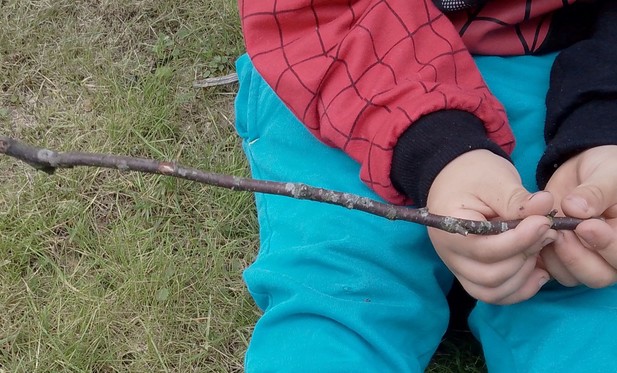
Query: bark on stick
(48, 161)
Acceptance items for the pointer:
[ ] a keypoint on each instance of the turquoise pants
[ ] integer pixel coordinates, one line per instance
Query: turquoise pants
(345, 291)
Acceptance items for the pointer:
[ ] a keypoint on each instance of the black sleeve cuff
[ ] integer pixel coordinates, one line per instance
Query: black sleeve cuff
(593, 124)
(581, 101)
(430, 144)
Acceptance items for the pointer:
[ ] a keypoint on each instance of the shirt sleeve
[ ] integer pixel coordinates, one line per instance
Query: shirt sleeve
(359, 73)
(582, 98)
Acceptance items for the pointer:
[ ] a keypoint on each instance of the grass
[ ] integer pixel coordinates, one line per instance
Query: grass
(109, 272)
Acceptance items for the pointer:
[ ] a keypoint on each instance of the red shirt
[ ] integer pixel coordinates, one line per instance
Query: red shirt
(358, 73)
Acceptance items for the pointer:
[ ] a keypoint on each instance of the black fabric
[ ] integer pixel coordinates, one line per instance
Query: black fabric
(430, 144)
(582, 98)
(570, 24)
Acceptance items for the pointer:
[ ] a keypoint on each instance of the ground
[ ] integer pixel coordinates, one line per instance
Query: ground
(102, 271)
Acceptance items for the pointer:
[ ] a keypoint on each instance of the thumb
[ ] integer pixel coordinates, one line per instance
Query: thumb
(518, 203)
(597, 189)
(589, 199)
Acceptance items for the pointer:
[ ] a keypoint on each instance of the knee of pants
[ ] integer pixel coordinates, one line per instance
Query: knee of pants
(560, 329)
(352, 328)
(342, 306)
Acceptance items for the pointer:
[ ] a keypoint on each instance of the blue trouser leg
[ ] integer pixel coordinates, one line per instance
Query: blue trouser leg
(346, 291)
(560, 329)
(341, 290)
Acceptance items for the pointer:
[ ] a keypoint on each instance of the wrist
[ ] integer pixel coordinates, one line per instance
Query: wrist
(470, 175)
(430, 144)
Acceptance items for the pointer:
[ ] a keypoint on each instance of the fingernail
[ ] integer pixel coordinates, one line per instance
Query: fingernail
(543, 229)
(543, 281)
(580, 203)
(587, 243)
(535, 194)
(548, 241)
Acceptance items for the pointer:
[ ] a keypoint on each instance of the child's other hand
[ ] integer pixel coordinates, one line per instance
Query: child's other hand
(584, 187)
(500, 269)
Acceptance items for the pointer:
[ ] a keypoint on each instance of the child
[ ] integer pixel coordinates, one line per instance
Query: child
(392, 84)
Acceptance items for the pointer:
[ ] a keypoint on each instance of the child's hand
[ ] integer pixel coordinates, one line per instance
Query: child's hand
(499, 269)
(586, 186)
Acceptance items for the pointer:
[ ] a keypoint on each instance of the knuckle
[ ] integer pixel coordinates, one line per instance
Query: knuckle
(493, 277)
(602, 280)
(568, 281)
(484, 255)
(570, 260)
(514, 202)
(596, 192)
(487, 296)
(473, 292)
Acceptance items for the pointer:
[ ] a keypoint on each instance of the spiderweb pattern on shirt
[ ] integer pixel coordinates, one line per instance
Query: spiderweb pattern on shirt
(502, 27)
(359, 72)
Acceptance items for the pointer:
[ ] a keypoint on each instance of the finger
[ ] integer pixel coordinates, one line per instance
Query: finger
(594, 195)
(556, 269)
(495, 274)
(539, 203)
(516, 202)
(523, 285)
(601, 237)
(528, 238)
(585, 201)
(531, 286)
(585, 265)
(486, 275)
